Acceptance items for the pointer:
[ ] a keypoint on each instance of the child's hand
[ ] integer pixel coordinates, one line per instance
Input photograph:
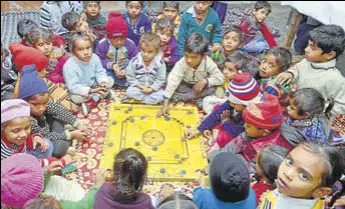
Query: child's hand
(284, 78)
(54, 168)
(166, 59)
(100, 177)
(221, 96)
(165, 109)
(39, 140)
(56, 53)
(79, 135)
(215, 47)
(146, 89)
(225, 116)
(121, 74)
(85, 128)
(198, 87)
(116, 68)
(100, 90)
(340, 202)
(208, 134)
(191, 133)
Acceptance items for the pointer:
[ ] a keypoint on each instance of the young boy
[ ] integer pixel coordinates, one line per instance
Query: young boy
(116, 50)
(318, 71)
(194, 76)
(261, 124)
(202, 19)
(95, 20)
(257, 37)
(8, 76)
(146, 72)
(230, 185)
(138, 24)
(306, 176)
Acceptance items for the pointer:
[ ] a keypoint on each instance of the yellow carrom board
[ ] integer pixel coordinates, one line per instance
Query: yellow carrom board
(171, 157)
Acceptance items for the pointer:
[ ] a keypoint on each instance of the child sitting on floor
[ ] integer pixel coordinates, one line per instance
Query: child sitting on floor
(130, 167)
(8, 76)
(257, 37)
(116, 50)
(268, 161)
(42, 40)
(227, 118)
(318, 71)
(23, 28)
(95, 20)
(170, 11)
(164, 29)
(200, 18)
(138, 24)
(306, 176)
(48, 118)
(146, 73)
(86, 79)
(194, 76)
(230, 185)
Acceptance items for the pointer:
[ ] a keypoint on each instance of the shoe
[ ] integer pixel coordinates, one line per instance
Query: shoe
(85, 108)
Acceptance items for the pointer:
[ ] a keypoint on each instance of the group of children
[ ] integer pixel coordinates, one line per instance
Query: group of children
(270, 121)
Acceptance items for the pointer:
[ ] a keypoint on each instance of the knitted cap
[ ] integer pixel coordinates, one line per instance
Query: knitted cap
(30, 84)
(243, 89)
(21, 179)
(116, 26)
(24, 55)
(58, 41)
(267, 115)
(229, 177)
(14, 108)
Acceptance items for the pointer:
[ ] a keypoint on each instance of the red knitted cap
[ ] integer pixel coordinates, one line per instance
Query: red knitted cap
(116, 26)
(266, 115)
(24, 55)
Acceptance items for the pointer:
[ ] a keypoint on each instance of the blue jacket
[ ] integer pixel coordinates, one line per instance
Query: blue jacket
(136, 30)
(211, 28)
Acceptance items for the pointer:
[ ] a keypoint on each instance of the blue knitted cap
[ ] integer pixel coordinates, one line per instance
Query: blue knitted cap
(30, 84)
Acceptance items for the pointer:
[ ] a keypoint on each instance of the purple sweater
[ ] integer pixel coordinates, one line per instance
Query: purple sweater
(110, 55)
(171, 52)
(234, 126)
(136, 30)
(104, 201)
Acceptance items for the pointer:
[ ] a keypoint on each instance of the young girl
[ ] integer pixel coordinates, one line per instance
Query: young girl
(170, 11)
(95, 19)
(164, 29)
(306, 105)
(138, 24)
(116, 50)
(86, 79)
(126, 191)
(268, 161)
(42, 40)
(146, 73)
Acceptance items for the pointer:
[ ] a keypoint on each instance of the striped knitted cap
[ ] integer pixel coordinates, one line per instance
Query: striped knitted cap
(243, 89)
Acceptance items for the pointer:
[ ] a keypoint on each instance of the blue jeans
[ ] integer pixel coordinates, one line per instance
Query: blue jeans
(257, 45)
(118, 82)
(37, 152)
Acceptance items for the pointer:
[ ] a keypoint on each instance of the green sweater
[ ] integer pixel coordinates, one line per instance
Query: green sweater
(85, 203)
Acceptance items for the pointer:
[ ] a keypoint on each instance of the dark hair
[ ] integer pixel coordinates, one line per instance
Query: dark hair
(165, 24)
(129, 168)
(177, 201)
(283, 56)
(43, 203)
(69, 20)
(269, 160)
(329, 38)
(337, 192)
(262, 5)
(311, 101)
(24, 26)
(196, 43)
(39, 33)
(234, 28)
(140, 2)
(35, 96)
(173, 4)
(76, 36)
(85, 3)
(243, 63)
(334, 160)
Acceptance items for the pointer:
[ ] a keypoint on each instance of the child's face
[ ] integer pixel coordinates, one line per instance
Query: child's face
(118, 42)
(201, 6)
(170, 12)
(134, 8)
(83, 50)
(45, 46)
(260, 15)
(314, 54)
(165, 36)
(92, 9)
(300, 173)
(17, 130)
(237, 107)
(253, 131)
(229, 70)
(148, 52)
(193, 60)
(269, 66)
(292, 110)
(38, 104)
(82, 26)
(231, 41)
